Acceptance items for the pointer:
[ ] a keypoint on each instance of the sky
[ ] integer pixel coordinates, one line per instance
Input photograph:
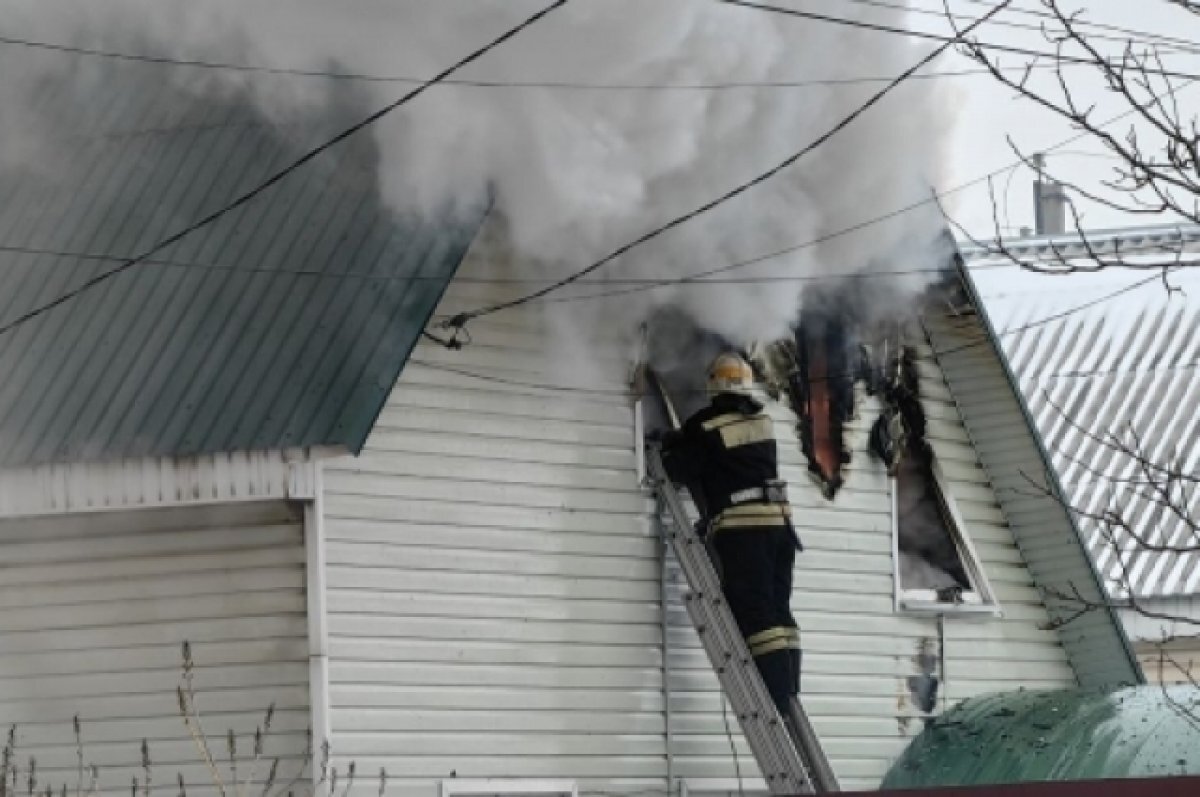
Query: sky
(990, 114)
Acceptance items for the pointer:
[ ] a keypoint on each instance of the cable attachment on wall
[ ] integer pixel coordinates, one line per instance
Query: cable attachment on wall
(458, 323)
(459, 337)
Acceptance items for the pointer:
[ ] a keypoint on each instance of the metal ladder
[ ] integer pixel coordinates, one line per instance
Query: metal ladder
(789, 754)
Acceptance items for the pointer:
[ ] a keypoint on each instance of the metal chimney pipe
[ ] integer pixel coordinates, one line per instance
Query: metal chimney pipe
(1049, 201)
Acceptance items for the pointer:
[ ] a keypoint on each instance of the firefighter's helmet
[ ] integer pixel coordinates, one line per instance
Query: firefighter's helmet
(729, 373)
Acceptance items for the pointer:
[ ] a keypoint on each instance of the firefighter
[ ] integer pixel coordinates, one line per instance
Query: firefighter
(726, 456)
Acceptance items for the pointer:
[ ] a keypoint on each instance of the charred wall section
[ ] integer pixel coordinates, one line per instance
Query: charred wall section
(850, 343)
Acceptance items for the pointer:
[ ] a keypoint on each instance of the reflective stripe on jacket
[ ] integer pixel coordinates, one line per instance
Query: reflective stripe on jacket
(726, 455)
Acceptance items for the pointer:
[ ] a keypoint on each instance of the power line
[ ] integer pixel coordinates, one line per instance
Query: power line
(554, 387)
(485, 84)
(580, 389)
(280, 175)
(1046, 15)
(650, 282)
(460, 320)
(1147, 37)
(845, 231)
(1041, 322)
(1121, 371)
(646, 284)
(632, 282)
(1055, 57)
(1179, 44)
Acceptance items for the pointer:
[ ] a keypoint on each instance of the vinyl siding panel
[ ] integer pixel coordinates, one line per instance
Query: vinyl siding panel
(496, 586)
(493, 577)
(94, 609)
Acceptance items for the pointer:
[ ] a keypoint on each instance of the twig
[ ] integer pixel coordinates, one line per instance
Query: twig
(260, 735)
(191, 719)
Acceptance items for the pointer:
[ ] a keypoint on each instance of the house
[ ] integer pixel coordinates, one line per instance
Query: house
(442, 561)
(1089, 372)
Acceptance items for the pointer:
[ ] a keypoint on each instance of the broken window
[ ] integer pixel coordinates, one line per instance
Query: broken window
(827, 400)
(816, 372)
(936, 567)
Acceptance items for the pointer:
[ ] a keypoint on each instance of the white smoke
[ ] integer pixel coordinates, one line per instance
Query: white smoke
(579, 172)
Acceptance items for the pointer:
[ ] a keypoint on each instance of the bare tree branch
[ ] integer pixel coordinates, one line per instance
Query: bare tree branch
(1157, 160)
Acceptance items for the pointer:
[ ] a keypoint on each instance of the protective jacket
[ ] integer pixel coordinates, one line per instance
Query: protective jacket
(726, 455)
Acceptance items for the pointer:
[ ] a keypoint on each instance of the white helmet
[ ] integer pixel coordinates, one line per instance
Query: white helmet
(729, 373)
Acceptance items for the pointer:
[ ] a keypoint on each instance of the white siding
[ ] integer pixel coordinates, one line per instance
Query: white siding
(493, 576)
(494, 589)
(93, 612)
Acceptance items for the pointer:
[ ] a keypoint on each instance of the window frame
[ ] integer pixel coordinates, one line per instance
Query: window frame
(981, 601)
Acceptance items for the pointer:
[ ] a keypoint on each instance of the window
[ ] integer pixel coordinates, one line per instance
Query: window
(936, 567)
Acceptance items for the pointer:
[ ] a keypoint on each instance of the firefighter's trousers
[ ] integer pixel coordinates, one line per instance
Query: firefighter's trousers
(756, 564)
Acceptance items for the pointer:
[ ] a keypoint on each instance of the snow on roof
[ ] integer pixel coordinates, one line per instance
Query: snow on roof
(1112, 353)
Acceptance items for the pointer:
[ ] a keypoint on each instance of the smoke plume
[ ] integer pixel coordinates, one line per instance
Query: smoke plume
(577, 171)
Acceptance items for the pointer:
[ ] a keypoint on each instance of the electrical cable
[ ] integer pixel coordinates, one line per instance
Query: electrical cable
(948, 40)
(284, 172)
(1131, 35)
(462, 319)
(840, 233)
(580, 389)
(1016, 10)
(1058, 316)
(486, 84)
(650, 282)
(737, 762)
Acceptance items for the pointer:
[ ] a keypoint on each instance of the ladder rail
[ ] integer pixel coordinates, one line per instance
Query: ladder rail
(738, 676)
(775, 747)
(805, 737)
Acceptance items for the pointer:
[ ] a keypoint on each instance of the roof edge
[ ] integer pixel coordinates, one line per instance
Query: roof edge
(1055, 485)
(478, 215)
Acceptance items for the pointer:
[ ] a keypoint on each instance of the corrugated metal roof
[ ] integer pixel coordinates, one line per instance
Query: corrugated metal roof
(1131, 370)
(1087, 381)
(219, 343)
(1056, 736)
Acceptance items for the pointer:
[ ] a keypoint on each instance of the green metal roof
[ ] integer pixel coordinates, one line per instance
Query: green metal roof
(219, 344)
(1021, 737)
